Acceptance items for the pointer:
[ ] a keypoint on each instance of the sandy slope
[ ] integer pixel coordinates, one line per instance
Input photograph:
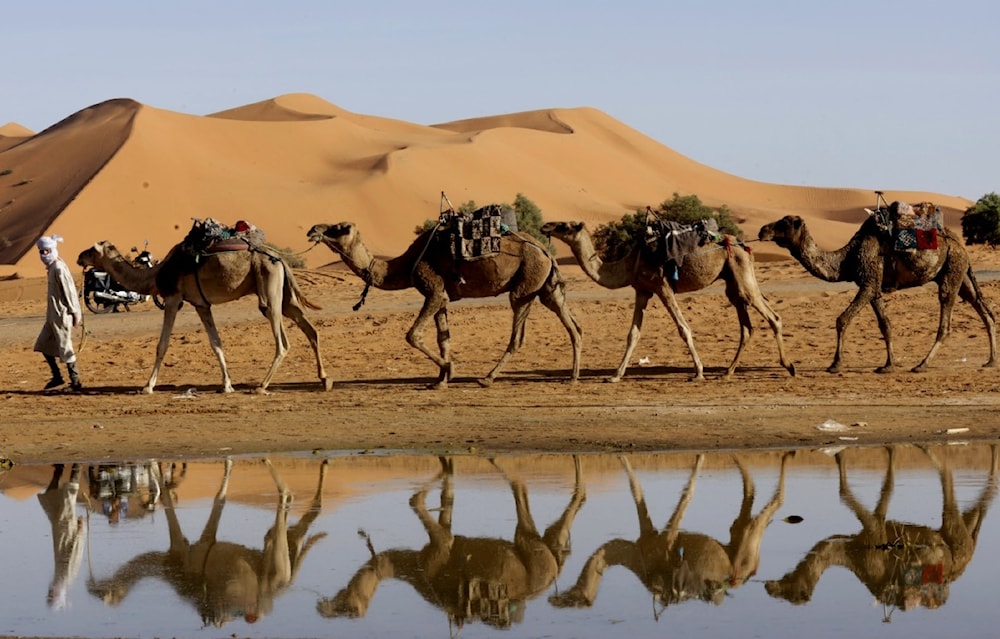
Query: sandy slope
(126, 172)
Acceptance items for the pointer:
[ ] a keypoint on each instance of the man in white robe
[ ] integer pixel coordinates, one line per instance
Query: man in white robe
(61, 315)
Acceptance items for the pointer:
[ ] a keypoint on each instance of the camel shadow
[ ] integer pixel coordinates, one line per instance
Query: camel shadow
(905, 566)
(221, 579)
(677, 565)
(483, 579)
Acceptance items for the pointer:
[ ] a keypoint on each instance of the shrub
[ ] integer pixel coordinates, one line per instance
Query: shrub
(614, 239)
(981, 221)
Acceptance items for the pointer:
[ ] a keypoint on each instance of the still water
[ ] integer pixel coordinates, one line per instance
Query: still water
(897, 542)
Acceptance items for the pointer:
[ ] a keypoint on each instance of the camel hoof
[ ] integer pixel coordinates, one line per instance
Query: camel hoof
(260, 390)
(697, 378)
(613, 380)
(327, 384)
(990, 364)
(485, 382)
(146, 390)
(919, 368)
(835, 368)
(791, 369)
(438, 385)
(882, 370)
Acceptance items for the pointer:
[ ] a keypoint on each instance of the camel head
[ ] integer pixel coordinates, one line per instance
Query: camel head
(565, 231)
(97, 254)
(336, 236)
(786, 232)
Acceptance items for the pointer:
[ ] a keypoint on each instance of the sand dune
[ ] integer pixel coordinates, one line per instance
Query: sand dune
(126, 172)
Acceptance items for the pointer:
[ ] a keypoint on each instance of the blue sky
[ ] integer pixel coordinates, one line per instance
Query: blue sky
(868, 94)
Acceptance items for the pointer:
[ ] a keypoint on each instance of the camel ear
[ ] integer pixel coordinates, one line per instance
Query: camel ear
(576, 226)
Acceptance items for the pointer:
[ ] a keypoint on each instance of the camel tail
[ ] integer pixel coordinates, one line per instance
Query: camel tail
(295, 289)
(975, 283)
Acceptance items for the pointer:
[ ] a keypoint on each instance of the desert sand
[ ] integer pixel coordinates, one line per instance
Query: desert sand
(126, 172)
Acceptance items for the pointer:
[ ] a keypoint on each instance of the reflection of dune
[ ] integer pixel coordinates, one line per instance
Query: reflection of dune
(126, 172)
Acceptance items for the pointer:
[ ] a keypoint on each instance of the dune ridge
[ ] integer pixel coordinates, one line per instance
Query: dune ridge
(125, 172)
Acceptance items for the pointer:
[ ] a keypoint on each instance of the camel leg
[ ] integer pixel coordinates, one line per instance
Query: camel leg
(170, 309)
(295, 313)
(434, 303)
(885, 326)
(634, 331)
(520, 306)
(746, 332)
(946, 298)
(554, 299)
(670, 302)
(969, 291)
(443, 339)
(205, 314)
(865, 295)
(756, 299)
(280, 346)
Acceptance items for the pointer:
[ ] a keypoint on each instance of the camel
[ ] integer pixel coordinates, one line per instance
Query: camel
(523, 269)
(222, 578)
(676, 565)
(221, 277)
(870, 261)
(698, 270)
(903, 565)
(470, 578)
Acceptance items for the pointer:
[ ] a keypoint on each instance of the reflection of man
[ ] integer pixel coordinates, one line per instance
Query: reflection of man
(68, 531)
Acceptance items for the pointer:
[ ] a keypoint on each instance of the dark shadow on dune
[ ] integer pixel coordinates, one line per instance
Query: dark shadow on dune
(44, 173)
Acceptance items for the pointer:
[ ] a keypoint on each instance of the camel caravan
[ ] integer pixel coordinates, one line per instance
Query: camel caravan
(482, 254)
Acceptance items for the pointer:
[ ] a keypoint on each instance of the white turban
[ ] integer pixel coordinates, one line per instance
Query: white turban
(48, 242)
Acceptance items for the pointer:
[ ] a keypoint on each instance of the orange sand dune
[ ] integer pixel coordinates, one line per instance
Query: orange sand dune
(126, 172)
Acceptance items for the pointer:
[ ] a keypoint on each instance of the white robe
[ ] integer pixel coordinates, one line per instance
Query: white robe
(56, 337)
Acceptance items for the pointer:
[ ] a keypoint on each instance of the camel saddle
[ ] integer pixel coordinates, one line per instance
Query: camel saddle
(669, 241)
(477, 233)
(209, 236)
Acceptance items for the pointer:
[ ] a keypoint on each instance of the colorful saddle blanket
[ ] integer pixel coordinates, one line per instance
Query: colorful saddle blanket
(916, 227)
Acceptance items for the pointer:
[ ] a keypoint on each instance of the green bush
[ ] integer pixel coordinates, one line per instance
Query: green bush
(614, 239)
(981, 221)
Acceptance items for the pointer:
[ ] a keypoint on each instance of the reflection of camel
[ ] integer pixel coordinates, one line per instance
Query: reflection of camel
(698, 270)
(468, 577)
(523, 269)
(676, 565)
(223, 579)
(68, 531)
(870, 261)
(112, 488)
(903, 565)
(221, 277)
